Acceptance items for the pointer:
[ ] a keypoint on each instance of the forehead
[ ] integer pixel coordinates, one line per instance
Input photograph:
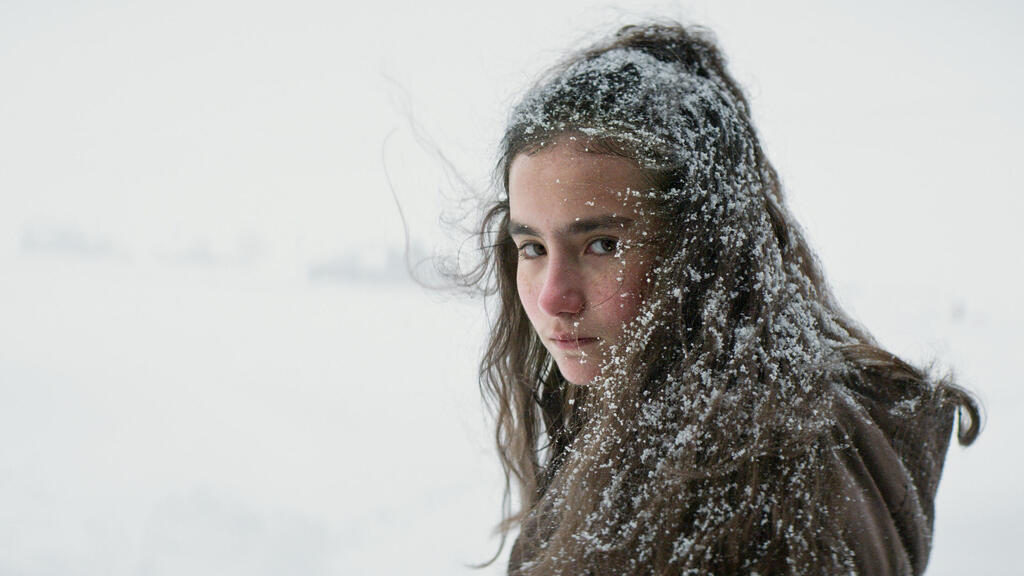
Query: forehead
(567, 177)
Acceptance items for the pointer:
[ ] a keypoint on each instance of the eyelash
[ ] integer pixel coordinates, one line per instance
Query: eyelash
(523, 250)
(607, 251)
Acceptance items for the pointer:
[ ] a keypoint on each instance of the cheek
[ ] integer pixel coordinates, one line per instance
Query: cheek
(525, 288)
(629, 293)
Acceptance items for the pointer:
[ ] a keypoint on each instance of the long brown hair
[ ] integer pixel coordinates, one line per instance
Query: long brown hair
(713, 411)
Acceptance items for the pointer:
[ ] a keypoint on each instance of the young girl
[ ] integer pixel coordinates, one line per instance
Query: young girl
(675, 388)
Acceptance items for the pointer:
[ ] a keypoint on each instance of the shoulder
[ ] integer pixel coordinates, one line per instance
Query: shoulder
(891, 438)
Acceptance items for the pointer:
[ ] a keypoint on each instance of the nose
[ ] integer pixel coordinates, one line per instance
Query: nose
(562, 292)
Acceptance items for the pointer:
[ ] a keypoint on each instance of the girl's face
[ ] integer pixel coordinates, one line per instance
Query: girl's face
(576, 220)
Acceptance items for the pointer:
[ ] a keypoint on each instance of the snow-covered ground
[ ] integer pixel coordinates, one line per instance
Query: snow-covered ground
(172, 421)
(210, 362)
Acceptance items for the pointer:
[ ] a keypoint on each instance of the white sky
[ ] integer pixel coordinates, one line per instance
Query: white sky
(171, 173)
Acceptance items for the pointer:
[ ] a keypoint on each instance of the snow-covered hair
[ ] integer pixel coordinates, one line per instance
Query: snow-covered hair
(700, 447)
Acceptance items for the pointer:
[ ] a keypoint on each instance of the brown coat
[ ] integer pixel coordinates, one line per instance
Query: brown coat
(890, 468)
(890, 441)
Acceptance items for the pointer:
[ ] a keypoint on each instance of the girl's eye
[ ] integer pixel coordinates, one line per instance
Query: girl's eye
(603, 246)
(531, 250)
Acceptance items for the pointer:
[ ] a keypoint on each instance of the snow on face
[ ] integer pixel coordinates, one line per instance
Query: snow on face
(574, 218)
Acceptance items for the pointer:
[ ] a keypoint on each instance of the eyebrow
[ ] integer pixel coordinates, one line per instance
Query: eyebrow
(579, 226)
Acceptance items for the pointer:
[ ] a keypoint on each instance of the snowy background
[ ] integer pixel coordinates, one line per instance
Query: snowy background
(211, 362)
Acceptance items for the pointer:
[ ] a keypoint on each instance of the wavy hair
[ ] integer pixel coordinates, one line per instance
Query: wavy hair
(715, 402)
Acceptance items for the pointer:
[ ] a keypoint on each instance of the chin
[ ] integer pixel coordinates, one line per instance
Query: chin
(578, 373)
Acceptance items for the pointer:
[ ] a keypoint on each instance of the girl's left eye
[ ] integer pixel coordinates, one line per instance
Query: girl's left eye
(603, 246)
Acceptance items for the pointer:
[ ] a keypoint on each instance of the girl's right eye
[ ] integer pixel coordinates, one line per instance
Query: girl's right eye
(531, 250)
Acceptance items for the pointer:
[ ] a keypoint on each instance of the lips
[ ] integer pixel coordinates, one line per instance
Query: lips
(571, 342)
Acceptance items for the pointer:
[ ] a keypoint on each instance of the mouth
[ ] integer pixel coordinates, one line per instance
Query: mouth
(569, 342)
